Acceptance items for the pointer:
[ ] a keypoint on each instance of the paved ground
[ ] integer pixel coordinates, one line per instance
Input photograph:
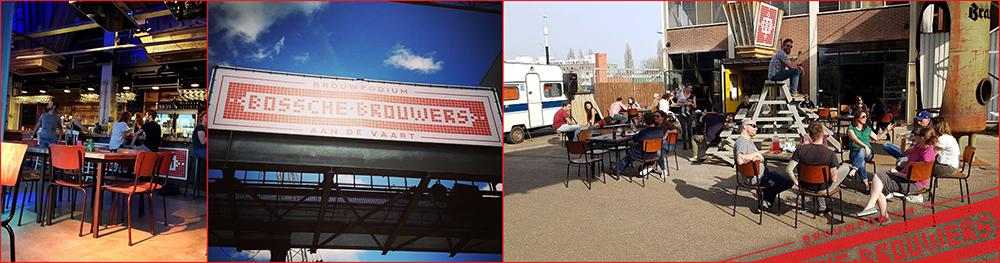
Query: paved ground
(686, 218)
(183, 240)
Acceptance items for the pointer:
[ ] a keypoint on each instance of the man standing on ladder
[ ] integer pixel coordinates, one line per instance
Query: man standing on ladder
(782, 68)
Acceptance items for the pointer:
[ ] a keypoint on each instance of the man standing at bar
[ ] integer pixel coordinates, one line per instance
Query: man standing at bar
(152, 131)
(49, 126)
(782, 68)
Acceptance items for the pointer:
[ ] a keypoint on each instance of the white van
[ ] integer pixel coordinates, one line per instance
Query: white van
(532, 93)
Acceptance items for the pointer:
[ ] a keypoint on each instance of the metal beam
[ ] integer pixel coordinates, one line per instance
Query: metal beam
(158, 43)
(415, 195)
(85, 26)
(327, 185)
(467, 7)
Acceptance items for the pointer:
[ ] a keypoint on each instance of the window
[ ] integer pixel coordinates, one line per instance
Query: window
(681, 14)
(704, 10)
(718, 12)
(828, 6)
(797, 8)
(511, 92)
(552, 90)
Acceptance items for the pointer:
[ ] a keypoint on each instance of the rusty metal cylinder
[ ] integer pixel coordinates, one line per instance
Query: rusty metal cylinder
(968, 89)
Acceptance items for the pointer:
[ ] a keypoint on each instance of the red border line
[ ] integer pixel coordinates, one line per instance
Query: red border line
(761, 251)
(960, 197)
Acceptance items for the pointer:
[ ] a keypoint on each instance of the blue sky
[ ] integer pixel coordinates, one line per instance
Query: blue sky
(601, 26)
(386, 41)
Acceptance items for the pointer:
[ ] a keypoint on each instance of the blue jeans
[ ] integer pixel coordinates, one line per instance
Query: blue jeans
(858, 160)
(629, 155)
(792, 75)
(893, 150)
(663, 153)
(44, 142)
(776, 183)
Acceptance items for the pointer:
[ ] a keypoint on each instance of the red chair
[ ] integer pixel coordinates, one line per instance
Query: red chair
(146, 167)
(672, 142)
(13, 155)
(919, 171)
(68, 161)
(744, 174)
(816, 175)
(163, 169)
(968, 155)
(578, 154)
(650, 147)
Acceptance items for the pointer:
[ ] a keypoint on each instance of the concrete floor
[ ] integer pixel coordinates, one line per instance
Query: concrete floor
(184, 240)
(686, 218)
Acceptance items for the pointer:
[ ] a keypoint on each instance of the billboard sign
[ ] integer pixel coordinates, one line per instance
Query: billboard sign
(298, 104)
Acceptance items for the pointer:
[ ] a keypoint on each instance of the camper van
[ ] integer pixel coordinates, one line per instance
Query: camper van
(532, 93)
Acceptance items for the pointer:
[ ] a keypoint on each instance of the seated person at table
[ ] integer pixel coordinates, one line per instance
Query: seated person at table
(118, 130)
(815, 153)
(948, 152)
(563, 122)
(632, 104)
(49, 126)
(593, 115)
(663, 120)
(615, 111)
(152, 131)
(651, 131)
(860, 134)
(746, 151)
(744, 104)
(923, 120)
(886, 183)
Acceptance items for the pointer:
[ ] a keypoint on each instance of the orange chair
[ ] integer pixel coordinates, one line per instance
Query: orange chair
(672, 142)
(816, 175)
(13, 155)
(650, 147)
(68, 160)
(577, 154)
(919, 171)
(968, 154)
(885, 120)
(744, 173)
(163, 169)
(146, 167)
(633, 116)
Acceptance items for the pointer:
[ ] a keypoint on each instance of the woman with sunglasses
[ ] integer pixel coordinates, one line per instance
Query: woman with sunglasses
(860, 134)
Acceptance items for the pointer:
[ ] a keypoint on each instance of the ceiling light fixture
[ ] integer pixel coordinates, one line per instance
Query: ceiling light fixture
(66, 90)
(195, 85)
(42, 91)
(126, 88)
(156, 87)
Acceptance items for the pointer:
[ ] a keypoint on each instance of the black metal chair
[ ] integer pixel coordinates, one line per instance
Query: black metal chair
(968, 154)
(744, 174)
(918, 171)
(817, 175)
(577, 154)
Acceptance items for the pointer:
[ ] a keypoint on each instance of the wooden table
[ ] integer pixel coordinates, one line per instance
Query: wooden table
(782, 156)
(101, 158)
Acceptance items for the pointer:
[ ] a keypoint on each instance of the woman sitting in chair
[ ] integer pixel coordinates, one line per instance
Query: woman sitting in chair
(887, 183)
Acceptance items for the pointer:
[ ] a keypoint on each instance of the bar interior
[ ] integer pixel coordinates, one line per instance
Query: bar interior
(97, 62)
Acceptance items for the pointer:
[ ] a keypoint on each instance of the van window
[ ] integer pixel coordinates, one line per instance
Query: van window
(552, 90)
(511, 92)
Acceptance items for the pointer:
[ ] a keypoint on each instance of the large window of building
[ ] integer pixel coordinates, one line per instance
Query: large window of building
(873, 70)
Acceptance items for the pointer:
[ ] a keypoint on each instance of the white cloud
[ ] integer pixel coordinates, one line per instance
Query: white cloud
(301, 58)
(248, 20)
(265, 52)
(340, 255)
(402, 57)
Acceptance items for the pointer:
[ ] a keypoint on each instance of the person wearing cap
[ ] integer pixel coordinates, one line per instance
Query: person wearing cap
(745, 150)
(923, 120)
